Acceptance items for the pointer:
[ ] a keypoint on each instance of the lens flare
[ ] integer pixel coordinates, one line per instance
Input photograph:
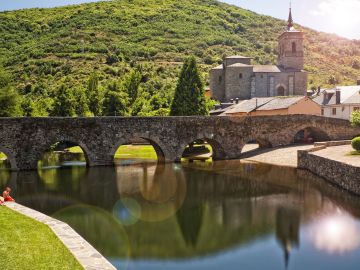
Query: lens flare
(127, 211)
(336, 234)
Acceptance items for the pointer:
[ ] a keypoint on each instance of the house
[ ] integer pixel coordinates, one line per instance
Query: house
(274, 106)
(339, 102)
(237, 78)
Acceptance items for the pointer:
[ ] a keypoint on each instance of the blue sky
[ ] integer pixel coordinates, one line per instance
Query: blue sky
(332, 16)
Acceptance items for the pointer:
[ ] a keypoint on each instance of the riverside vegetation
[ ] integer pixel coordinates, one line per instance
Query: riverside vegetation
(123, 57)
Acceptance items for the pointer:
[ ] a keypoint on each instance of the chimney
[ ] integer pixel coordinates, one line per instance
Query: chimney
(237, 100)
(232, 100)
(338, 96)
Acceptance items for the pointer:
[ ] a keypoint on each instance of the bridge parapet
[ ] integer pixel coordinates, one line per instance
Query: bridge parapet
(24, 140)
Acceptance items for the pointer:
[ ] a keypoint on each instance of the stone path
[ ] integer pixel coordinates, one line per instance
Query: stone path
(339, 153)
(281, 156)
(87, 255)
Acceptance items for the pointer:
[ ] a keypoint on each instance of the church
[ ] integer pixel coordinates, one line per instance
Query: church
(238, 79)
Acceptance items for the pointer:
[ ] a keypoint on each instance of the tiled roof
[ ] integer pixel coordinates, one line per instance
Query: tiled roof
(264, 104)
(239, 65)
(348, 95)
(219, 67)
(238, 57)
(280, 103)
(265, 69)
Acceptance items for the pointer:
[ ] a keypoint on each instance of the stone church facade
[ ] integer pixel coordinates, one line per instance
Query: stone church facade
(237, 78)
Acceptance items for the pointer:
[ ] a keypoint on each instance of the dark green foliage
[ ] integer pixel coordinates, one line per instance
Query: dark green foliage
(355, 143)
(115, 104)
(64, 103)
(9, 98)
(189, 94)
(94, 95)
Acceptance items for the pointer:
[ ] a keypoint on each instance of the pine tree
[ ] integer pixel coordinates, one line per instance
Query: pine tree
(189, 94)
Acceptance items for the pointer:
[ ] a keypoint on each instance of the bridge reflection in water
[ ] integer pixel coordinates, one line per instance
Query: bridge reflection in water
(165, 216)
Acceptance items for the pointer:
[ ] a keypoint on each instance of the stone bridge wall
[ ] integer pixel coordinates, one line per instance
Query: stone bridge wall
(24, 140)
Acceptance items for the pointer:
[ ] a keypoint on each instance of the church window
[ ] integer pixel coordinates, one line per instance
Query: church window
(220, 79)
(294, 47)
(240, 76)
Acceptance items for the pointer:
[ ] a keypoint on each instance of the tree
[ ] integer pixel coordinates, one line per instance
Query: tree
(115, 103)
(64, 103)
(81, 108)
(94, 95)
(189, 94)
(9, 97)
(131, 85)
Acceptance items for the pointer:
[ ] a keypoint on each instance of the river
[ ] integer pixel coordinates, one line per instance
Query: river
(214, 215)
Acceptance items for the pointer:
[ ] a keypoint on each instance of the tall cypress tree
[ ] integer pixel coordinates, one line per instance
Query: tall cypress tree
(94, 95)
(189, 94)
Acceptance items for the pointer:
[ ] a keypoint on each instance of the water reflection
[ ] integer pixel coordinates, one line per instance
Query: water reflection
(143, 213)
(336, 233)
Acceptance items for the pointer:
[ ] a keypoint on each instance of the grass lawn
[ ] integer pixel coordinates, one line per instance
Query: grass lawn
(28, 244)
(354, 153)
(136, 151)
(128, 151)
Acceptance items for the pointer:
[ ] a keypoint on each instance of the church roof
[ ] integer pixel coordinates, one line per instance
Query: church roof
(266, 69)
(219, 67)
(239, 65)
(238, 57)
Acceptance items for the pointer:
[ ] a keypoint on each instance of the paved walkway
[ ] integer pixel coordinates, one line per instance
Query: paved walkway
(281, 156)
(339, 153)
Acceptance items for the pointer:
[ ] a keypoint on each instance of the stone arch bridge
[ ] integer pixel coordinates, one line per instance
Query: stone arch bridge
(24, 140)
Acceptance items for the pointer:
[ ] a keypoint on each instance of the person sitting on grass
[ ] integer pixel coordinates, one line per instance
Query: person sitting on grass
(6, 195)
(2, 200)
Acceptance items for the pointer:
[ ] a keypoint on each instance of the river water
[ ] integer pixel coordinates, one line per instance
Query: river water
(221, 215)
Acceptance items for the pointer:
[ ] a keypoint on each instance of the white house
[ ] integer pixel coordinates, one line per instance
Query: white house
(339, 102)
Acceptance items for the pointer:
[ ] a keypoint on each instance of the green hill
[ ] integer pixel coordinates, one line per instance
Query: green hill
(44, 48)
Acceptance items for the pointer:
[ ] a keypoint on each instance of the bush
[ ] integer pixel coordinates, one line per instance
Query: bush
(355, 118)
(355, 143)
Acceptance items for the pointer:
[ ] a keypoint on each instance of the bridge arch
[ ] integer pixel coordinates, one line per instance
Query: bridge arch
(257, 143)
(310, 134)
(70, 142)
(10, 156)
(160, 149)
(218, 151)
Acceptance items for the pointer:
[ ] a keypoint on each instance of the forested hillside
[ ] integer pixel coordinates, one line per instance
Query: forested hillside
(132, 51)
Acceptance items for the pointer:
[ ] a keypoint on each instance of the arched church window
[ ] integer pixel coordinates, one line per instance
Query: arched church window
(220, 79)
(240, 76)
(294, 47)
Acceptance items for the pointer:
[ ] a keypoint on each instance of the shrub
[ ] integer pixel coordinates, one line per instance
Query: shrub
(355, 143)
(355, 118)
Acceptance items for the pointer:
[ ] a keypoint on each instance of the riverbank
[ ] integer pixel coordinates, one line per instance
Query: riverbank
(27, 243)
(333, 161)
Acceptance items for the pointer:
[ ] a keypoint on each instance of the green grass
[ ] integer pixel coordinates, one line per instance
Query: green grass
(2, 156)
(354, 153)
(136, 152)
(75, 149)
(28, 244)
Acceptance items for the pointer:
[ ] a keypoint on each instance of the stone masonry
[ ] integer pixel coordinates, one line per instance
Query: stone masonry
(24, 140)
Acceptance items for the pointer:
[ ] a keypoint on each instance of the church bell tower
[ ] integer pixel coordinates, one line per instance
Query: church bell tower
(291, 47)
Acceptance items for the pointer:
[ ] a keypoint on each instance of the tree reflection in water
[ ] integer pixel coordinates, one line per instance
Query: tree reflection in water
(178, 212)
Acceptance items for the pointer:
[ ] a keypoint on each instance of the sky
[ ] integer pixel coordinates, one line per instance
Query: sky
(333, 16)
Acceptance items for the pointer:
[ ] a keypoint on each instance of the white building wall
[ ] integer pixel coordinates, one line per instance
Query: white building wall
(342, 111)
